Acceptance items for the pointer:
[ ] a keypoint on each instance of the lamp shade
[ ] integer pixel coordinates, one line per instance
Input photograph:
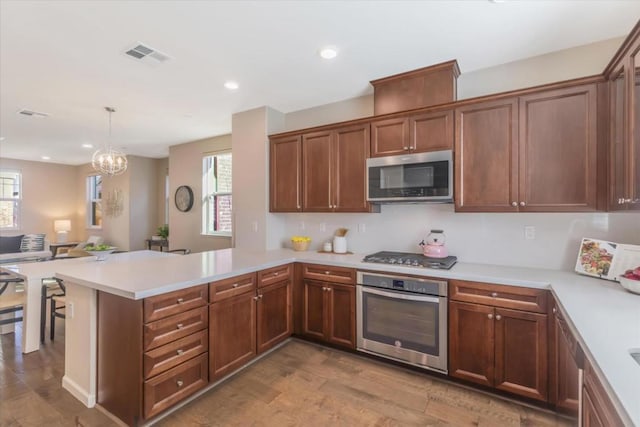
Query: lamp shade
(62, 225)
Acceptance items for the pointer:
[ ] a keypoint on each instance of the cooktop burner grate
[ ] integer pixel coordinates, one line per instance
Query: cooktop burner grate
(410, 260)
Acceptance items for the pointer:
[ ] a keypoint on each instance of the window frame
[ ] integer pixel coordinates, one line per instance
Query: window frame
(16, 200)
(90, 187)
(209, 196)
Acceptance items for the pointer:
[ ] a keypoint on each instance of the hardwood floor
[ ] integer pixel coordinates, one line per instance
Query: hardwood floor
(298, 384)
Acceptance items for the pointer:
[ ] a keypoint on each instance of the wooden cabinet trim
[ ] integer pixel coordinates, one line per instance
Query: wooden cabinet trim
(506, 296)
(165, 305)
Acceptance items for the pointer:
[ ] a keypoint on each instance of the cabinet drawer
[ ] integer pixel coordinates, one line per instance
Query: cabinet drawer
(328, 273)
(505, 296)
(274, 275)
(170, 329)
(227, 288)
(171, 303)
(165, 390)
(171, 355)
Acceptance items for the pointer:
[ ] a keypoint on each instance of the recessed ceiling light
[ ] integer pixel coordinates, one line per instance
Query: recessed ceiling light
(328, 52)
(45, 157)
(231, 85)
(87, 146)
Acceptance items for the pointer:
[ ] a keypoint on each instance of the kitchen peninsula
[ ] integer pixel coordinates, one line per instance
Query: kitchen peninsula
(604, 317)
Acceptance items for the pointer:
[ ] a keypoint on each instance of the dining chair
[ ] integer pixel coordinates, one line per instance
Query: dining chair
(52, 290)
(11, 302)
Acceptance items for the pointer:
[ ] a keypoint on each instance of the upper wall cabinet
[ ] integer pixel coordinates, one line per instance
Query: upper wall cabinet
(534, 153)
(334, 169)
(418, 133)
(286, 174)
(623, 74)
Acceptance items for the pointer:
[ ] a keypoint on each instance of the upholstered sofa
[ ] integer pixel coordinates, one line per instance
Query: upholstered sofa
(23, 247)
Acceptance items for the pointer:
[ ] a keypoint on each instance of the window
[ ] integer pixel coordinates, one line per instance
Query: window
(216, 194)
(10, 199)
(94, 201)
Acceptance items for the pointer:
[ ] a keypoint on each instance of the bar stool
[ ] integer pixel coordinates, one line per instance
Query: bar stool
(58, 302)
(11, 302)
(51, 288)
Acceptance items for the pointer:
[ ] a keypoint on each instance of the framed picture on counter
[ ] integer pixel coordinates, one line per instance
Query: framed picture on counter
(606, 260)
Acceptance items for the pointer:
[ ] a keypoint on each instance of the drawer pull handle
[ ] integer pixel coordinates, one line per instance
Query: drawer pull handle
(260, 296)
(494, 294)
(514, 204)
(554, 310)
(327, 272)
(180, 300)
(179, 326)
(498, 317)
(275, 274)
(490, 316)
(180, 352)
(179, 383)
(235, 285)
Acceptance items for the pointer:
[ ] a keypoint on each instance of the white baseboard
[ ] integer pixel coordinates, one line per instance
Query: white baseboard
(89, 400)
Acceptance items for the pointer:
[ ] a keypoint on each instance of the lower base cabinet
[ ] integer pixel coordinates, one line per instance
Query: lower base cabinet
(493, 343)
(597, 408)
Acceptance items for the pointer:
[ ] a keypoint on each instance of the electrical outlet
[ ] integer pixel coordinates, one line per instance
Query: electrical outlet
(529, 232)
(323, 227)
(254, 226)
(69, 310)
(362, 228)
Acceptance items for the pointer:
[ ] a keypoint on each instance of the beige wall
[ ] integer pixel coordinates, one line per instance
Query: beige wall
(162, 172)
(144, 217)
(349, 109)
(48, 193)
(185, 168)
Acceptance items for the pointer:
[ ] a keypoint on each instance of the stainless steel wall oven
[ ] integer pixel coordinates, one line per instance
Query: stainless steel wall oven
(403, 318)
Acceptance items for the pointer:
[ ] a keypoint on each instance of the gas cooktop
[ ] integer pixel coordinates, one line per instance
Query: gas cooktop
(410, 260)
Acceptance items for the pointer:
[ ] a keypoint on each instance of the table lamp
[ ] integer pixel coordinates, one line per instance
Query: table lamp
(62, 227)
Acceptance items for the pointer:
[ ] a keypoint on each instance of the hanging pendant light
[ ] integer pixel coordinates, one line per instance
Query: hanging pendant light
(108, 160)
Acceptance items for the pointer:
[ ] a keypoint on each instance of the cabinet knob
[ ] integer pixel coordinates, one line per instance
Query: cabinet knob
(179, 326)
(522, 203)
(256, 298)
(235, 285)
(328, 289)
(179, 352)
(327, 272)
(554, 310)
(514, 204)
(498, 317)
(490, 316)
(298, 207)
(260, 296)
(275, 274)
(179, 383)
(180, 300)
(405, 148)
(494, 294)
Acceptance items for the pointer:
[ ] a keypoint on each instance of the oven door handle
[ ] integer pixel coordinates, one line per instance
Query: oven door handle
(400, 295)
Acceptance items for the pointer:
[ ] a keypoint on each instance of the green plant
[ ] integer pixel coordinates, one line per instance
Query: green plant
(163, 231)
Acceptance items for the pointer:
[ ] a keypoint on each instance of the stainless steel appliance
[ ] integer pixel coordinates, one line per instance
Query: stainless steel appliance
(411, 260)
(419, 177)
(403, 318)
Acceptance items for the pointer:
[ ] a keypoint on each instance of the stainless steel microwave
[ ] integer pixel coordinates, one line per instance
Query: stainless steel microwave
(419, 177)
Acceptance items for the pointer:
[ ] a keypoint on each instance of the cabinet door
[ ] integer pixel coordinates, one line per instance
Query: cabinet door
(389, 137)
(274, 315)
(566, 372)
(232, 334)
(486, 157)
(634, 145)
(285, 173)
(471, 342)
(590, 416)
(431, 131)
(351, 152)
(618, 157)
(316, 172)
(313, 313)
(341, 307)
(521, 353)
(558, 144)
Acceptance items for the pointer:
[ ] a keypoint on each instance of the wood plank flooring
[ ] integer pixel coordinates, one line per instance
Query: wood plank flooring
(299, 384)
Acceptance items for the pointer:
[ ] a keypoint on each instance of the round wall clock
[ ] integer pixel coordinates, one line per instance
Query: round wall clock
(184, 198)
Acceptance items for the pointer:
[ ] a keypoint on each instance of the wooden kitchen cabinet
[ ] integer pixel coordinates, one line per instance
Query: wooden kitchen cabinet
(328, 312)
(285, 172)
(623, 75)
(532, 153)
(334, 169)
(274, 306)
(597, 408)
(152, 353)
(417, 133)
(494, 343)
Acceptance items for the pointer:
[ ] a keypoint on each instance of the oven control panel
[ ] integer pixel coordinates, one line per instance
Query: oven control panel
(401, 283)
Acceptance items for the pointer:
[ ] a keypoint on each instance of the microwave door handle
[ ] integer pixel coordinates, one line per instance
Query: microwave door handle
(401, 295)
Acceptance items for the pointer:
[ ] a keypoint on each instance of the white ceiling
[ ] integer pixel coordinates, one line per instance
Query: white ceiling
(65, 58)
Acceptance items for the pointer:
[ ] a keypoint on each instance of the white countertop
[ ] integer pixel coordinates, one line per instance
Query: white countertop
(605, 317)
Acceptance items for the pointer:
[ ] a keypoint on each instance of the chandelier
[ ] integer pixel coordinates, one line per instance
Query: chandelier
(108, 160)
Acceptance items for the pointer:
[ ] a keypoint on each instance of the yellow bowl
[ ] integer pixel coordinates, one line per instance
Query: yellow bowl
(300, 246)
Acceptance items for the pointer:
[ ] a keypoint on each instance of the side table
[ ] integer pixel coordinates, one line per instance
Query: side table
(55, 246)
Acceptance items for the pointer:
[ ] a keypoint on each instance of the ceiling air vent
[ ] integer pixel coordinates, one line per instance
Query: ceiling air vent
(32, 113)
(143, 52)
